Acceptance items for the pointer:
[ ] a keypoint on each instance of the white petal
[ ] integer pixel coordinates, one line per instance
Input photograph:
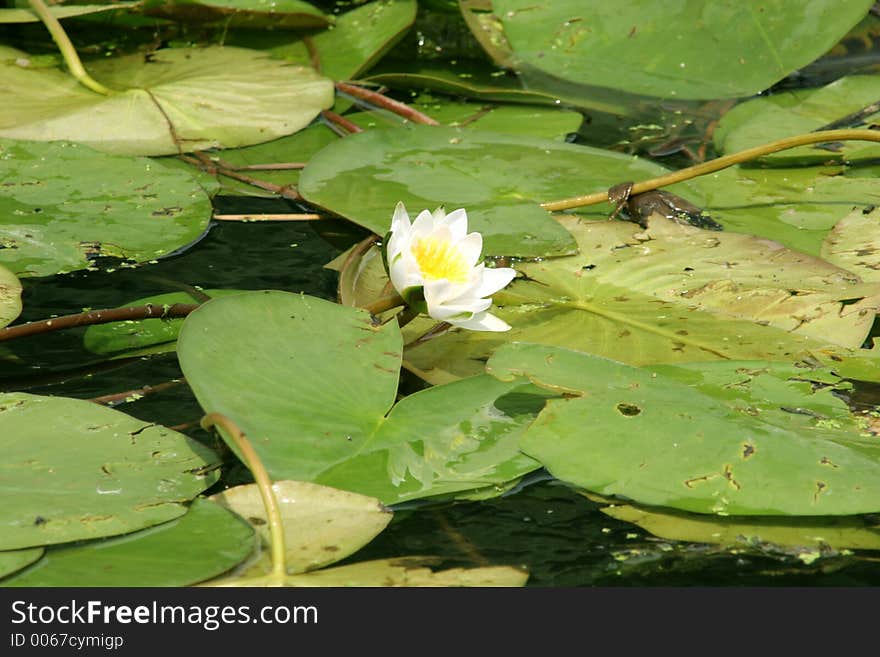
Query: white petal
(441, 291)
(494, 280)
(470, 248)
(439, 215)
(403, 272)
(448, 312)
(482, 322)
(423, 225)
(457, 221)
(400, 219)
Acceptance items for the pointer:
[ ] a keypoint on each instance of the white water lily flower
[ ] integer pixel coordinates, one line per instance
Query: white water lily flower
(433, 260)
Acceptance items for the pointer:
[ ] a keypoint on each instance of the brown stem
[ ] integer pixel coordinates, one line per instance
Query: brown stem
(341, 122)
(717, 164)
(385, 303)
(380, 100)
(268, 217)
(206, 164)
(148, 311)
(117, 397)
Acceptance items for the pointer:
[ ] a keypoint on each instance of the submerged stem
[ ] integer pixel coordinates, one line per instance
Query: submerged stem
(719, 163)
(264, 483)
(66, 47)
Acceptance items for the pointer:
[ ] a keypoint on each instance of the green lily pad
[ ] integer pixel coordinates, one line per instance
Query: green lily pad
(181, 100)
(60, 12)
(707, 438)
(795, 206)
(357, 40)
(10, 296)
(474, 80)
(789, 113)
(854, 244)
(499, 179)
(205, 542)
(63, 204)
(132, 335)
(409, 571)
(686, 51)
(262, 360)
(14, 560)
(274, 14)
(537, 122)
(667, 294)
(852, 533)
(77, 470)
(322, 525)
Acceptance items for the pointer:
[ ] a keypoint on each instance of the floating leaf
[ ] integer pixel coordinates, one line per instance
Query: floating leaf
(261, 359)
(358, 39)
(273, 14)
(686, 51)
(181, 100)
(794, 206)
(77, 471)
(205, 542)
(10, 296)
(129, 335)
(63, 204)
(59, 12)
(854, 244)
(535, 122)
(706, 437)
(669, 294)
(854, 533)
(322, 525)
(500, 179)
(14, 560)
(789, 113)
(410, 571)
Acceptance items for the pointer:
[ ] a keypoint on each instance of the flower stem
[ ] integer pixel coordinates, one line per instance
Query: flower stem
(148, 311)
(384, 303)
(719, 163)
(66, 47)
(264, 483)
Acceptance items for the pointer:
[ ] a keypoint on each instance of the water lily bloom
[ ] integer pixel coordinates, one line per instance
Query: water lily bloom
(433, 264)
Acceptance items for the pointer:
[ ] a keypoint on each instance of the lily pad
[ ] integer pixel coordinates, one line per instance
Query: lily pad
(205, 542)
(330, 419)
(410, 571)
(78, 471)
(789, 113)
(499, 179)
(181, 100)
(853, 533)
(668, 294)
(14, 560)
(60, 12)
(706, 438)
(10, 296)
(854, 244)
(686, 51)
(63, 204)
(275, 14)
(795, 206)
(322, 525)
(131, 335)
(357, 40)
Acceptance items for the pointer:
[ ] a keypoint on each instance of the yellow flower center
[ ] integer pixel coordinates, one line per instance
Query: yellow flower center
(439, 259)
